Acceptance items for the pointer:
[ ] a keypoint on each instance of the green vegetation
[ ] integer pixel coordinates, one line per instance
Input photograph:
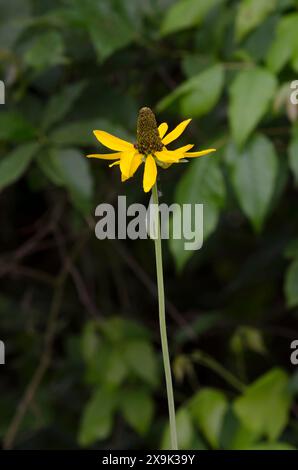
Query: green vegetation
(79, 317)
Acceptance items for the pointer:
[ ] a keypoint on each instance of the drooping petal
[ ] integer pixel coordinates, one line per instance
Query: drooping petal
(162, 129)
(168, 156)
(123, 178)
(114, 163)
(172, 156)
(150, 173)
(105, 156)
(135, 163)
(184, 149)
(125, 162)
(199, 154)
(112, 142)
(176, 132)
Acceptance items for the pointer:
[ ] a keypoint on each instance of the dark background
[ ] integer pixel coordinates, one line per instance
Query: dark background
(79, 316)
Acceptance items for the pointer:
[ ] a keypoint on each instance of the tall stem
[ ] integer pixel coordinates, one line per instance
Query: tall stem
(162, 324)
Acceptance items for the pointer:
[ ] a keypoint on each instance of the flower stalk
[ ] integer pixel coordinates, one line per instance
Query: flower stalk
(162, 324)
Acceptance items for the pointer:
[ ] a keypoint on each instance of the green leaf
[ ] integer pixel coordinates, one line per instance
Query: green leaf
(207, 408)
(106, 43)
(90, 341)
(201, 183)
(109, 27)
(234, 435)
(291, 250)
(76, 175)
(47, 162)
(256, 46)
(264, 406)
(250, 96)
(45, 50)
(204, 95)
(74, 133)
(119, 330)
(69, 168)
(14, 18)
(252, 13)
(291, 284)
(138, 407)
(97, 418)
(198, 95)
(253, 177)
(194, 63)
(185, 431)
(108, 349)
(293, 156)
(80, 132)
(115, 369)
(106, 366)
(142, 361)
(14, 164)
(15, 128)
(59, 105)
(186, 14)
(285, 44)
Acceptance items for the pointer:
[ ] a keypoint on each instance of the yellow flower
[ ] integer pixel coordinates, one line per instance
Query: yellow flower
(150, 148)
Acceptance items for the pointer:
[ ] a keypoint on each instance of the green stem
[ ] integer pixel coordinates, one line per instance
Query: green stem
(162, 324)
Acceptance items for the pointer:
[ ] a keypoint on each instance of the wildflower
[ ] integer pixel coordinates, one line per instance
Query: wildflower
(150, 148)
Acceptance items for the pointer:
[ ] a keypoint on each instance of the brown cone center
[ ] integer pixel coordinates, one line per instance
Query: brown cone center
(148, 140)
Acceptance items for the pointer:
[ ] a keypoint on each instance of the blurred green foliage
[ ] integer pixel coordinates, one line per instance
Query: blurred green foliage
(74, 381)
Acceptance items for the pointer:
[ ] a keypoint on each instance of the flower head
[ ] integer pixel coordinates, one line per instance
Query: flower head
(150, 148)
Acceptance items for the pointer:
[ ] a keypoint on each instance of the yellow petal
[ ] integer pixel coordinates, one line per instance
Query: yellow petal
(150, 173)
(112, 142)
(199, 154)
(162, 129)
(135, 163)
(168, 156)
(106, 156)
(176, 132)
(114, 163)
(123, 178)
(125, 162)
(184, 149)
(172, 156)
